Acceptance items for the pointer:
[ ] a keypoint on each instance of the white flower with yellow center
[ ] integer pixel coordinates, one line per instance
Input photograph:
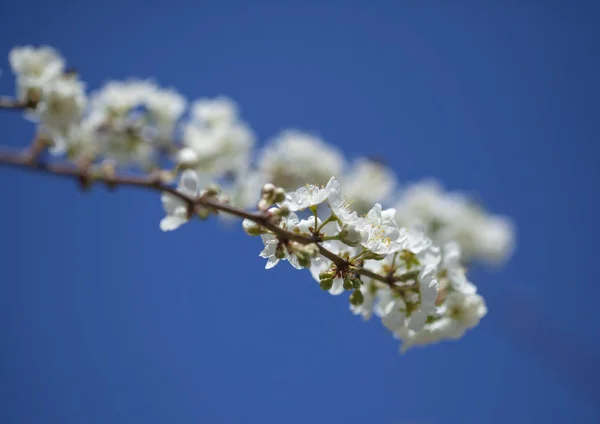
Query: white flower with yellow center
(459, 313)
(379, 231)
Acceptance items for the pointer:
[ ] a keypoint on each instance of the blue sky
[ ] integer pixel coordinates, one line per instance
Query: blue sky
(103, 318)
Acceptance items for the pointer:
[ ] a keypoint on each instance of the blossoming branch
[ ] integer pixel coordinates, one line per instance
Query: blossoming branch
(405, 264)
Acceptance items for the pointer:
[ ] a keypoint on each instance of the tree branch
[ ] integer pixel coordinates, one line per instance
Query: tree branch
(29, 160)
(10, 103)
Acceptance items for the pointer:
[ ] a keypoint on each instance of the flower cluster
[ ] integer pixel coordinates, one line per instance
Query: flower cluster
(419, 290)
(405, 265)
(448, 216)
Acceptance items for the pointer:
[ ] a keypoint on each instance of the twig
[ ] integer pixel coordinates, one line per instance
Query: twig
(29, 160)
(10, 103)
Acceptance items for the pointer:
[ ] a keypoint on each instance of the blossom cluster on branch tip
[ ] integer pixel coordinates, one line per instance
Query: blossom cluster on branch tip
(405, 265)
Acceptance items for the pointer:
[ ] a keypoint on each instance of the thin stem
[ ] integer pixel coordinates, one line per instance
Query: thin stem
(331, 218)
(155, 183)
(315, 230)
(10, 103)
(360, 255)
(393, 266)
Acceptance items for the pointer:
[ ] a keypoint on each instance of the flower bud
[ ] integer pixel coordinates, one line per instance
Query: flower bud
(304, 253)
(350, 235)
(283, 211)
(187, 158)
(263, 204)
(326, 275)
(252, 228)
(304, 261)
(279, 195)
(348, 284)
(357, 298)
(267, 190)
(212, 190)
(326, 284)
(275, 219)
(203, 213)
(108, 168)
(356, 283)
(311, 249)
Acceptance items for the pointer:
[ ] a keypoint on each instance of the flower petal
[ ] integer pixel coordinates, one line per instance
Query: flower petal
(171, 222)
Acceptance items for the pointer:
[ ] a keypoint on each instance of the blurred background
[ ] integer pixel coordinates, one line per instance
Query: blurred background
(105, 319)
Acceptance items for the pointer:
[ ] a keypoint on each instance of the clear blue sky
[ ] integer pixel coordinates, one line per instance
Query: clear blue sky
(104, 319)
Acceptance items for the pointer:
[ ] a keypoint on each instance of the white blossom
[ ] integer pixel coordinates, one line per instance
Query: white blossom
(495, 238)
(382, 240)
(218, 111)
(426, 251)
(418, 250)
(310, 195)
(176, 208)
(452, 216)
(380, 217)
(135, 119)
(392, 310)
(165, 108)
(270, 251)
(215, 140)
(368, 182)
(322, 264)
(428, 293)
(275, 247)
(244, 190)
(120, 97)
(35, 67)
(340, 205)
(61, 107)
(218, 149)
(380, 233)
(460, 313)
(453, 270)
(294, 158)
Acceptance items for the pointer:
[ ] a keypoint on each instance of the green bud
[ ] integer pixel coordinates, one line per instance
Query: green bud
(203, 213)
(311, 249)
(304, 261)
(356, 282)
(283, 211)
(252, 228)
(357, 298)
(279, 195)
(212, 190)
(326, 284)
(326, 275)
(348, 284)
(267, 190)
